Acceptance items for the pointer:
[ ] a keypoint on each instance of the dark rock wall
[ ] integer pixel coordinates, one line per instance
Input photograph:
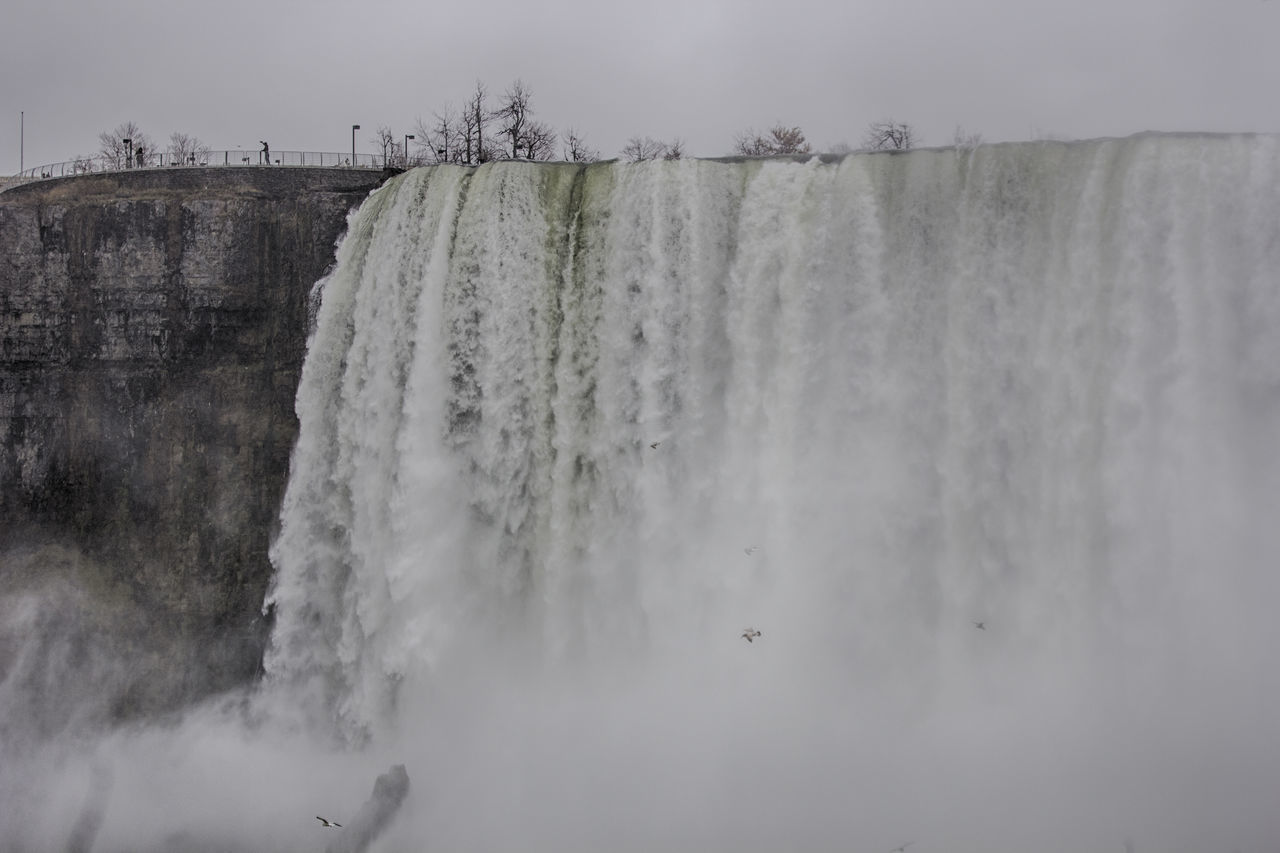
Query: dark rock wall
(152, 330)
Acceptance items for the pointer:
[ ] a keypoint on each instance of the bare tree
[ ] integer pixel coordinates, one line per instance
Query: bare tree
(540, 141)
(779, 140)
(889, 136)
(187, 149)
(675, 149)
(465, 136)
(462, 136)
(789, 140)
(966, 140)
(114, 149)
(513, 115)
(475, 118)
(525, 137)
(442, 138)
(750, 144)
(384, 137)
(646, 148)
(576, 149)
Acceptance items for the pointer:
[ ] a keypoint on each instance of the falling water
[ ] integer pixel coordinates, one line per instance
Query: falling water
(567, 430)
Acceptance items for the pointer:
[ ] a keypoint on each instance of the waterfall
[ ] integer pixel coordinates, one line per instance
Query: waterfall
(567, 430)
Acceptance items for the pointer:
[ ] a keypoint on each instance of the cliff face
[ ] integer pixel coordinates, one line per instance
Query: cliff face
(152, 330)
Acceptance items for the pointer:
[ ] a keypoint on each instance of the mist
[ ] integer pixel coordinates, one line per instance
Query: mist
(744, 749)
(980, 441)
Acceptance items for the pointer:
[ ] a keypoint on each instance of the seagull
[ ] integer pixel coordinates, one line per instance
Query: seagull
(981, 626)
(750, 634)
(328, 824)
(750, 549)
(654, 446)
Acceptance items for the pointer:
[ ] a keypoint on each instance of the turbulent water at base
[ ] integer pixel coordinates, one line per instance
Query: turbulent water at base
(567, 431)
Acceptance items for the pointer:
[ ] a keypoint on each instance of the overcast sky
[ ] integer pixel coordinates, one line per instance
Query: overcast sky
(233, 72)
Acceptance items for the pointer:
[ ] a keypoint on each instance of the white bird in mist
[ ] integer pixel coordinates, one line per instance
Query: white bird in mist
(750, 634)
(328, 824)
(981, 626)
(750, 549)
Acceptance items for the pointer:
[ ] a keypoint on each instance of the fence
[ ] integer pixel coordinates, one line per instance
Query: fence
(239, 157)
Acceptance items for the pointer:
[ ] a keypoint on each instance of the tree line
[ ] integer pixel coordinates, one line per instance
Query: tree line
(129, 145)
(485, 129)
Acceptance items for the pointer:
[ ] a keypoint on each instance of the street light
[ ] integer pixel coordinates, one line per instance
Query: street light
(128, 152)
(407, 137)
(354, 128)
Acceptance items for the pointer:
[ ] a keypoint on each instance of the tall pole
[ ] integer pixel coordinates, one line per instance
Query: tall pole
(22, 142)
(354, 128)
(407, 137)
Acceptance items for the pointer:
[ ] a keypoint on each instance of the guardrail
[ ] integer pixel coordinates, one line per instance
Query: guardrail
(238, 157)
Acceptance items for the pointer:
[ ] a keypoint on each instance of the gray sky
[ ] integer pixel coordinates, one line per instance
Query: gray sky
(300, 74)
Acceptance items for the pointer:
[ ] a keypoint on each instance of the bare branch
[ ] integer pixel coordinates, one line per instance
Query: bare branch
(780, 139)
(513, 114)
(889, 135)
(576, 149)
(539, 141)
(475, 118)
(639, 148)
(442, 139)
(387, 140)
(184, 148)
(112, 145)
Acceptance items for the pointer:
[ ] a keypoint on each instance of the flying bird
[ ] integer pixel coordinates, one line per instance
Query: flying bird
(981, 626)
(328, 824)
(654, 446)
(750, 549)
(902, 848)
(750, 634)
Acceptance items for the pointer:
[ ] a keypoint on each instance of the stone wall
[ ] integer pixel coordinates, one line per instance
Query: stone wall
(152, 330)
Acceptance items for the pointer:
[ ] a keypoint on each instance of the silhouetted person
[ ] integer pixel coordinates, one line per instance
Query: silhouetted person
(266, 152)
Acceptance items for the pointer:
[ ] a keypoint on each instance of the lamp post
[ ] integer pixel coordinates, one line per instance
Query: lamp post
(354, 128)
(407, 137)
(128, 152)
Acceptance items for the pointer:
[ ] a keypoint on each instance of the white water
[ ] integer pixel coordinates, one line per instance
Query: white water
(1034, 385)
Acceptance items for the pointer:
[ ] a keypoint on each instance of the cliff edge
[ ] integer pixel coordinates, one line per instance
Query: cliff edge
(152, 331)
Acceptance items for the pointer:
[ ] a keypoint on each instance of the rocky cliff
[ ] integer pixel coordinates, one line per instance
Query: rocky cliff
(152, 330)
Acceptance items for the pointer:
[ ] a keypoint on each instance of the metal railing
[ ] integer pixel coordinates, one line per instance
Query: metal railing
(238, 157)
